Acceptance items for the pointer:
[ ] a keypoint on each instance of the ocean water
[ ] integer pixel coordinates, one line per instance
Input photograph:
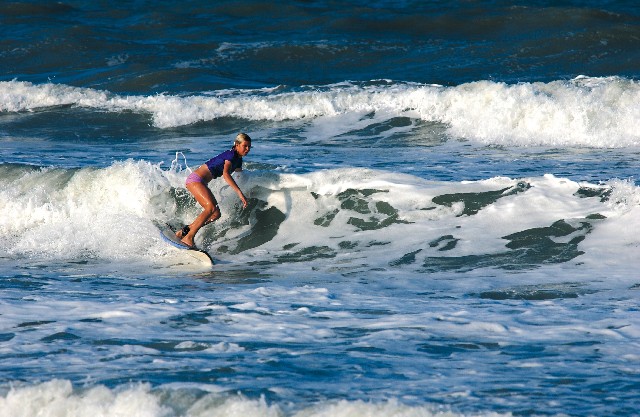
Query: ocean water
(443, 219)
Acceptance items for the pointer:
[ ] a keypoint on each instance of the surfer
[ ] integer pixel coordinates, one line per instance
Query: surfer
(222, 165)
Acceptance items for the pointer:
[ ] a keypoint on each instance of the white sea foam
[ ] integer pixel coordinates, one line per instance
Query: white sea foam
(58, 398)
(108, 213)
(59, 212)
(595, 112)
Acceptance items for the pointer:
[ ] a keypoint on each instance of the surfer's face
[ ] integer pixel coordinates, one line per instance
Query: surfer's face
(243, 148)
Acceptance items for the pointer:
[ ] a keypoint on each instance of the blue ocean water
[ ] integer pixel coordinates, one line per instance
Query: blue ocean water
(443, 210)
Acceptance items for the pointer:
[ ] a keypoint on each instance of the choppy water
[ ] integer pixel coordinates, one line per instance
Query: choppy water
(443, 209)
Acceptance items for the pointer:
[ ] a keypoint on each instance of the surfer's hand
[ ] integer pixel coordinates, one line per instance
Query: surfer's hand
(244, 201)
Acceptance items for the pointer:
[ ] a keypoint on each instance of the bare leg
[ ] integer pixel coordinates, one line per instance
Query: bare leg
(210, 210)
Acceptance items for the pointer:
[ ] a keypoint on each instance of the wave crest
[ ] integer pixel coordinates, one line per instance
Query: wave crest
(594, 112)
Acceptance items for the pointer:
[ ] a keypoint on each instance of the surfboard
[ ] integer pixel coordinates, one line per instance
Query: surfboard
(169, 236)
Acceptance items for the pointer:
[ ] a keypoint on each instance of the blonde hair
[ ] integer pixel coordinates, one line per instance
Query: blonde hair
(240, 138)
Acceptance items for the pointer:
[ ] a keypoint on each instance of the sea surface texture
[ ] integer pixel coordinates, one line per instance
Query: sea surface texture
(443, 219)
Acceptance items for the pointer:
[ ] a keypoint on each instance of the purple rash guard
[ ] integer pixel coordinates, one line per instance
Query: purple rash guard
(216, 164)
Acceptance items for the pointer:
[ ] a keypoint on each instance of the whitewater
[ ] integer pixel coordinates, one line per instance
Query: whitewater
(61, 212)
(596, 112)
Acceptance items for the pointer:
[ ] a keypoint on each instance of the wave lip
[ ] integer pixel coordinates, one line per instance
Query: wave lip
(593, 112)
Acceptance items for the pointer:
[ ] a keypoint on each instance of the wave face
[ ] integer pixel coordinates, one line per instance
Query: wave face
(594, 112)
(360, 219)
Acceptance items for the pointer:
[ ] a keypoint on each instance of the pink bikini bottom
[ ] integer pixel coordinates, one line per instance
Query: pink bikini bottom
(193, 177)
